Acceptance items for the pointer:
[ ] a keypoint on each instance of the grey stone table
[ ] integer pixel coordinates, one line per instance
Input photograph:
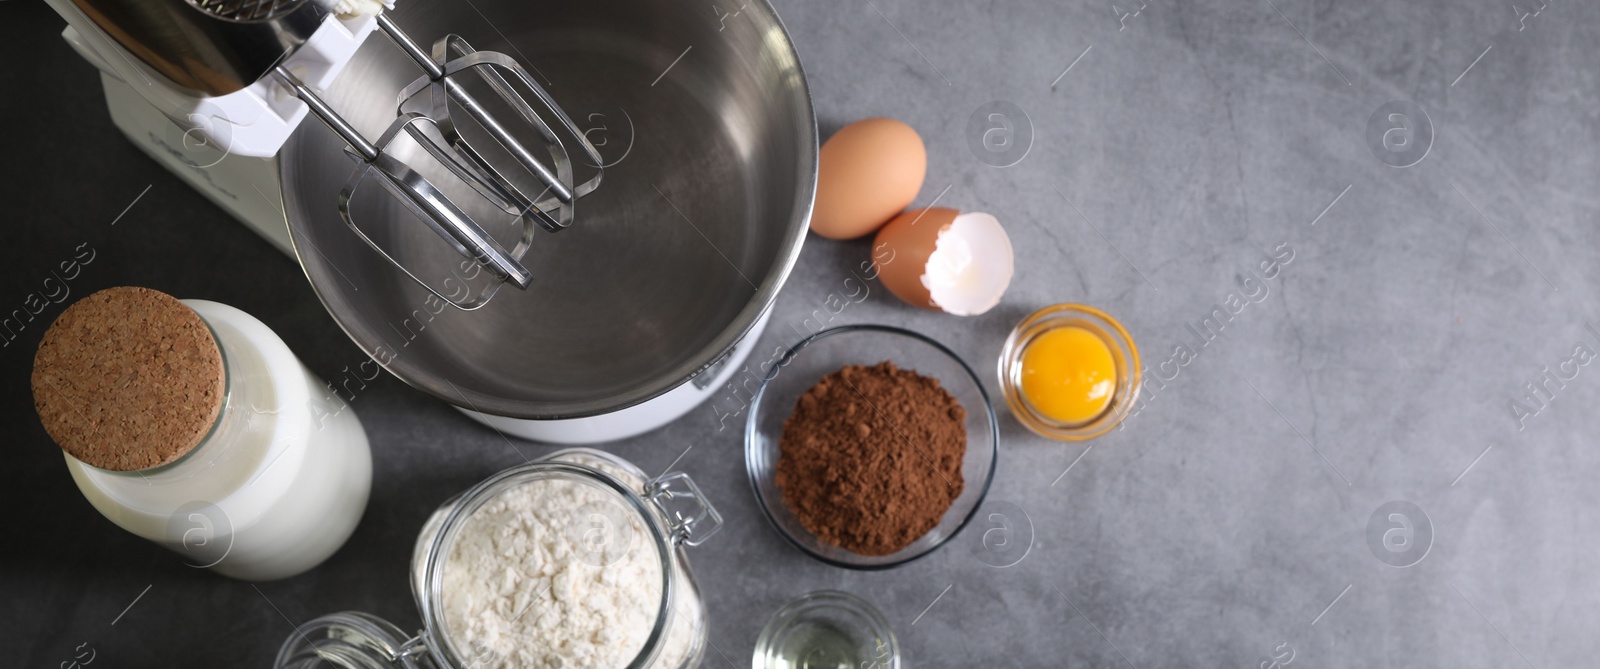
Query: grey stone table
(1442, 260)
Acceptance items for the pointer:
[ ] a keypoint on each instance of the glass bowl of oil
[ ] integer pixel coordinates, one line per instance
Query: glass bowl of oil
(1070, 372)
(827, 629)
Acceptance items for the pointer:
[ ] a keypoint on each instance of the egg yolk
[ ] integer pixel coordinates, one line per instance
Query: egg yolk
(1068, 374)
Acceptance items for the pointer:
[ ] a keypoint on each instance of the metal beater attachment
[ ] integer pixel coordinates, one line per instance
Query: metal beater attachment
(456, 157)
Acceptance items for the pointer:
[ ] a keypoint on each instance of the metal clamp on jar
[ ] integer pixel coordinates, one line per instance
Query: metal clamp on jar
(574, 560)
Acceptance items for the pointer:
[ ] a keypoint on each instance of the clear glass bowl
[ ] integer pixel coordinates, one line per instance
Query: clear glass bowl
(1124, 355)
(826, 352)
(856, 635)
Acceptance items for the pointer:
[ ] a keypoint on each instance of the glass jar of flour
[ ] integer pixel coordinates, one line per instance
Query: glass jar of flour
(191, 424)
(573, 561)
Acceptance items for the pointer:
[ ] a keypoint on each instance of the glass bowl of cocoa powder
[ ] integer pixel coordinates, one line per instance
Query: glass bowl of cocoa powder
(869, 446)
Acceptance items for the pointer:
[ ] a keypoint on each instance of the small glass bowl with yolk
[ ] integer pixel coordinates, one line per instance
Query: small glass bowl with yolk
(1070, 372)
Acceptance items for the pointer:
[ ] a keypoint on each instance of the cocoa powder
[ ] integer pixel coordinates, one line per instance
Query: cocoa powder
(870, 459)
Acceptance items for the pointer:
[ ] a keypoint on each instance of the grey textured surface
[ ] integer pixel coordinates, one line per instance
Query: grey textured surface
(1226, 524)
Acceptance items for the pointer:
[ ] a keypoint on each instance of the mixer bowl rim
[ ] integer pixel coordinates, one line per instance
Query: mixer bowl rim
(419, 377)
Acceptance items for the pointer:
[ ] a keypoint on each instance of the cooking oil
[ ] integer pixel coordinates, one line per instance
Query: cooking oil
(815, 645)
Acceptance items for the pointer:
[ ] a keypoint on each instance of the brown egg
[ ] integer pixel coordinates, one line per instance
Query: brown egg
(945, 260)
(866, 173)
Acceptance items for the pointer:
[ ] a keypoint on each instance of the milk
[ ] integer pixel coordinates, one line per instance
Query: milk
(277, 486)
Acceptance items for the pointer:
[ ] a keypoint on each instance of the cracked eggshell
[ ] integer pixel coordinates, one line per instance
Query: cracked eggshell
(866, 173)
(944, 260)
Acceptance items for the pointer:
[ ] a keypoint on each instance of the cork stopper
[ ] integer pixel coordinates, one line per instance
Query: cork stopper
(127, 379)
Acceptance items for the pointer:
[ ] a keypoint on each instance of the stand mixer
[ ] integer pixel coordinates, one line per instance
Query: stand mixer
(435, 166)
(240, 75)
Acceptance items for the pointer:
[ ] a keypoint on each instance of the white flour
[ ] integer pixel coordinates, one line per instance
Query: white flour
(559, 574)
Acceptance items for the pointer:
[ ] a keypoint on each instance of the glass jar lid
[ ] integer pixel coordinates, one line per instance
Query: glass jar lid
(353, 640)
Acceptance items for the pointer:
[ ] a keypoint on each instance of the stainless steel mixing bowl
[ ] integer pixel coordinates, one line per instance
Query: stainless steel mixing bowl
(669, 264)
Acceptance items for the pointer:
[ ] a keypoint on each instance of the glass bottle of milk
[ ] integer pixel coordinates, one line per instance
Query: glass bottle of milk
(191, 424)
